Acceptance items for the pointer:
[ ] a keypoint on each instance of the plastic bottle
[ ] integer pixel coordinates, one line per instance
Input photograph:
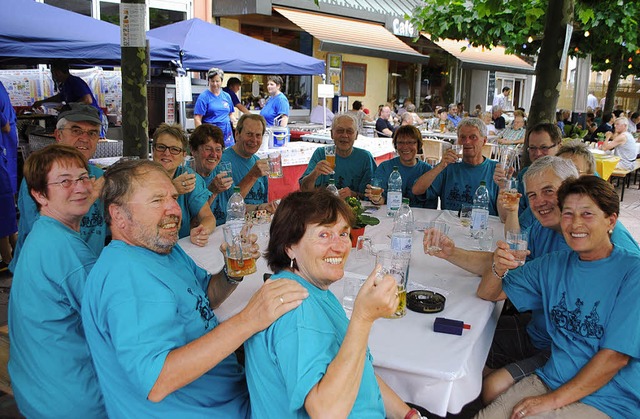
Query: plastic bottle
(401, 237)
(331, 187)
(480, 211)
(236, 208)
(394, 192)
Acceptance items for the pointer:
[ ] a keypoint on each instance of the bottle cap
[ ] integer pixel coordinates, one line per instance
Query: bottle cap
(395, 168)
(236, 189)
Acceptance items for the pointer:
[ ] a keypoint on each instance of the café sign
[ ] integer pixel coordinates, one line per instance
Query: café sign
(403, 28)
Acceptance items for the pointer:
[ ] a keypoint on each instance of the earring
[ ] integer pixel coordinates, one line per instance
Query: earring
(610, 231)
(292, 262)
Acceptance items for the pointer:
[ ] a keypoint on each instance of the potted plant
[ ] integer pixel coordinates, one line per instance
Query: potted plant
(362, 220)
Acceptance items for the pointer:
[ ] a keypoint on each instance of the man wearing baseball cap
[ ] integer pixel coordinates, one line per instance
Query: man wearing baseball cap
(78, 127)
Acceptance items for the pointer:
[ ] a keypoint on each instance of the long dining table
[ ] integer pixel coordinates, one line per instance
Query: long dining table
(440, 372)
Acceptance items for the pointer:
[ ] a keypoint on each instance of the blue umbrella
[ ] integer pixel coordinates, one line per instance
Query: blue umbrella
(35, 32)
(204, 45)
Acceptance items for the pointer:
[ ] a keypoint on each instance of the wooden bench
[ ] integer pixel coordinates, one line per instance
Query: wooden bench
(5, 381)
(625, 175)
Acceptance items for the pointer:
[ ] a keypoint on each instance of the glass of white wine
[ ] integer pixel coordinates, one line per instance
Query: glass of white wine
(465, 215)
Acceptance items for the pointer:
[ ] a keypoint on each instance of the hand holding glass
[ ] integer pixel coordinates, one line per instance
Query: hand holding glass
(225, 166)
(435, 231)
(330, 155)
(458, 150)
(275, 165)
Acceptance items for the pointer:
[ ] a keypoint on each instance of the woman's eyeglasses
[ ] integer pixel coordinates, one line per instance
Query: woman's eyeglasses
(67, 183)
(161, 148)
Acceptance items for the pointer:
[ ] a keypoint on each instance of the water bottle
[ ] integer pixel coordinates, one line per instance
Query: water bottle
(480, 211)
(394, 192)
(332, 186)
(402, 228)
(236, 208)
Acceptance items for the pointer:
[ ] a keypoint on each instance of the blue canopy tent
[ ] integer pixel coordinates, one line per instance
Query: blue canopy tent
(35, 33)
(204, 45)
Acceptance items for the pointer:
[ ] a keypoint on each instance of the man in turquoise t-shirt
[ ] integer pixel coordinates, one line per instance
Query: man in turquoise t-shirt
(455, 183)
(354, 167)
(157, 346)
(79, 128)
(249, 172)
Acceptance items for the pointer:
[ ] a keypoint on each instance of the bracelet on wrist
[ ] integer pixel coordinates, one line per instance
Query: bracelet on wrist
(412, 412)
(495, 272)
(233, 280)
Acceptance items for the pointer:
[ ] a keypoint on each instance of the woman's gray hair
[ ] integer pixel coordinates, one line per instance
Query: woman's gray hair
(622, 120)
(476, 123)
(576, 148)
(562, 168)
(215, 71)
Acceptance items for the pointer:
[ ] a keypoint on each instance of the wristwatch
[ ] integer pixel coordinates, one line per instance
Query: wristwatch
(233, 280)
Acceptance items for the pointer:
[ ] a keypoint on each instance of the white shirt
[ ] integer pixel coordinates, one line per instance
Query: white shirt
(592, 102)
(500, 100)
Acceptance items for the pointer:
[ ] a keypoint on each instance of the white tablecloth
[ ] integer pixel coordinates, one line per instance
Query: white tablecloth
(437, 371)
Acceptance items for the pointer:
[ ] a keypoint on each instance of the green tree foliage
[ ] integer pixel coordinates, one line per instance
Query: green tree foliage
(519, 26)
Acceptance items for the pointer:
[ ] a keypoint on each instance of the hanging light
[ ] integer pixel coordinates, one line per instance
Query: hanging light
(530, 39)
(606, 61)
(586, 34)
(630, 66)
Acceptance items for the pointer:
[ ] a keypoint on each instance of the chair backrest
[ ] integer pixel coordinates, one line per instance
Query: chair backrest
(487, 150)
(431, 149)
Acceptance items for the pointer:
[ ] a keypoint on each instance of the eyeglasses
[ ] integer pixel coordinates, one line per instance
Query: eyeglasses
(161, 148)
(67, 183)
(543, 148)
(210, 150)
(76, 132)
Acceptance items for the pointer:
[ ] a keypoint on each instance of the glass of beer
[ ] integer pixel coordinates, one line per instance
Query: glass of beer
(275, 165)
(510, 193)
(238, 249)
(396, 264)
(330, 155)
(376, 190)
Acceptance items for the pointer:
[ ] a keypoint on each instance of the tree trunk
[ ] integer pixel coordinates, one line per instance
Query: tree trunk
(135, 120)
(547, 91)
(612, 86)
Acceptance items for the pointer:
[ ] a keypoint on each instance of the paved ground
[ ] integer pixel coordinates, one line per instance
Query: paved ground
(629, 216)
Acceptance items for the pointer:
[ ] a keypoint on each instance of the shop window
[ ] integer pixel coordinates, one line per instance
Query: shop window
(354, 79)
(162, 17)
(79, 6)
(110, 12)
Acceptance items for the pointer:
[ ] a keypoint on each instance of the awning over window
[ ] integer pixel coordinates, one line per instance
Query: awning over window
(484, 58)
(353, 37)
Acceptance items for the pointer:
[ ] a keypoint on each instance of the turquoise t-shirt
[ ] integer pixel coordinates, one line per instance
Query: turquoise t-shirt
(354, 172)
(457, 183)
(587, 306)
(258, 194)
(215, 110)
(409, 176)
(286, 360)
(191, 203)
(93, 228)
(276, 105)
(138, 306)
(50, 365)
(544, 240)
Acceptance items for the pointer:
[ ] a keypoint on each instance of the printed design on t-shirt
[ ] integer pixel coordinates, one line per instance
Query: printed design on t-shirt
(456, 198)
(256, 196)
(203, 307)
(93, 218)
(571, 321)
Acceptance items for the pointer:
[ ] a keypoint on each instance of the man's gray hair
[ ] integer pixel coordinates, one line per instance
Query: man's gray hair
(475, 123)
(452, 105)
(344, 115)
(62, 123)
(496, 108)
(562, 168)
